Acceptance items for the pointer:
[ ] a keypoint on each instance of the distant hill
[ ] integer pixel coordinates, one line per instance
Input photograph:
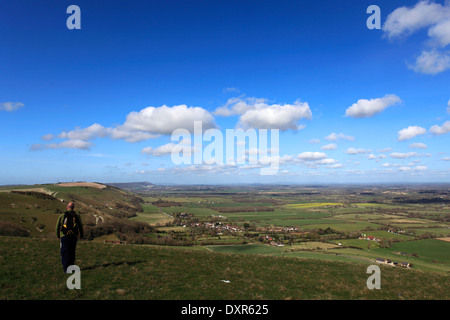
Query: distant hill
(132, 186)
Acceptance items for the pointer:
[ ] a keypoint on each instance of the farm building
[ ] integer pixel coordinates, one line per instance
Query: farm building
(370, 238)
(388, 262)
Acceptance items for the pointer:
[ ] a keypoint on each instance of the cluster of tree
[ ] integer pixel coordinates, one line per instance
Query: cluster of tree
(137, 238)
(117, 227)
(243, 209)
(137, 202)
(124, 211)
(38, 195)
(424, 200)
(164, 203)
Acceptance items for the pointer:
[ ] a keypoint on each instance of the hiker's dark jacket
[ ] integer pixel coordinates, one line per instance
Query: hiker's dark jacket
(60, 223)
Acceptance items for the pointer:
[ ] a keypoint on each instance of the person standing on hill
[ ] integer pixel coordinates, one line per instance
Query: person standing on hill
(69, 228)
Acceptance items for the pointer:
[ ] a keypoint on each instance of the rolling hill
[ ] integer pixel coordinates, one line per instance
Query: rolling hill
(30, 264)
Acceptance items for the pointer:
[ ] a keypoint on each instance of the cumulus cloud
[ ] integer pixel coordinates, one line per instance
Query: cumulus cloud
(68, 144)
(354, 151)
(128, 134)
(364, 108)
(148, 123)
(98, 131)
(417, 168)
(418, 145)
(168, 148)
(162, 150)
(331, 146)
(438, 130)
(431, 62)
(410, 132)
(164, 119)
(256, 113)
(327, 161)
(10, 106)
(338, 136)
(93, 131)
(238, 106)
(311, 156)
(404, 21)
(399, 155)
(440, 33)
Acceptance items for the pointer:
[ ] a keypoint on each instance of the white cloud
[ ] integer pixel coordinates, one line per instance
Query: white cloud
(410, 132)
(328, 161)
(331, 146)
(168, 148)
(418, 145)
(448, 106)
(405, 21)
(68, 144)
(10, 106)
(129, 135)
(238, 106)
(364, 108)
(258, 114)
(354, 151)
(399, 155)
(160, 151)
(311, 156)
(438, 130)
(440, 33)
(335, 137)
(88, 133)
(145, 124)
(164, 119)
(431, 62)
(425, 14)
(418, 168)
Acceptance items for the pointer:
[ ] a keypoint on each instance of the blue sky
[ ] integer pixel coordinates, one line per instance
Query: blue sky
(353, 104)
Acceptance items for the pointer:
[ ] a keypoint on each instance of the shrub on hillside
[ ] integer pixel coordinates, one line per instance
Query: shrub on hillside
(11, 229)
(117, 227)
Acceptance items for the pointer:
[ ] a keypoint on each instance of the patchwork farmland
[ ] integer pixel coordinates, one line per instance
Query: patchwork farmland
(354, 225)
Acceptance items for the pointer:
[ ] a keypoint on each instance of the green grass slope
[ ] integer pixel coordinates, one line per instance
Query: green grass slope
(36, 208)
(30, 269)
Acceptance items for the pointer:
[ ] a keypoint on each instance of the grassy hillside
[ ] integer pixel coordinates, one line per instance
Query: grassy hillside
(36, 208)
(30, 268)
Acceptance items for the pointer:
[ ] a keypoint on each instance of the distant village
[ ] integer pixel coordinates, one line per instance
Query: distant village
(269, 235)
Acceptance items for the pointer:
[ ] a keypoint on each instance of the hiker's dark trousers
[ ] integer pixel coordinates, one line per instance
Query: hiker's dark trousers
(68, 247)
